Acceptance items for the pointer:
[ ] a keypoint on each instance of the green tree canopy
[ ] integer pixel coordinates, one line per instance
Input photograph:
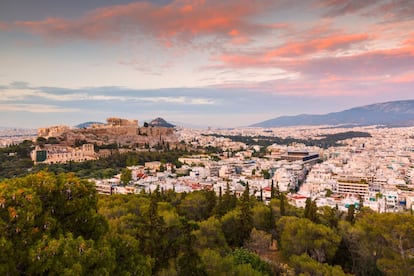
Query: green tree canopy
(49, 214)
(300, 235)
(126, 176)
(210, 235)
(305, 265)
(381, 243)
(197, 205)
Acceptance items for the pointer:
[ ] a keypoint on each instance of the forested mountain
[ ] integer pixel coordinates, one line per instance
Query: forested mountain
(57, 224)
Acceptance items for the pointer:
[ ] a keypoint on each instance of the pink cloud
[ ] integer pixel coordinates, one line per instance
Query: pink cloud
(4, 26)
(392, 31)
(180, 19)
(410, 40)
(292, 53)
(52, 26)
(326, 63)
(378, 63)
(316, 45)
(332, 75)
(407, 77)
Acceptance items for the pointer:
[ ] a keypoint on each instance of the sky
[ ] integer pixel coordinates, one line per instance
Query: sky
(201, 63)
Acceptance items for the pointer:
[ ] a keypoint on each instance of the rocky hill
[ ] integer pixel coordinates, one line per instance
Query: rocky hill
(117, 131)
(88, 124)
(160, 122)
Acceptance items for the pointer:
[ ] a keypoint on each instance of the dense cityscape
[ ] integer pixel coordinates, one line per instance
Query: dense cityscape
(375, 171)
(321, 175)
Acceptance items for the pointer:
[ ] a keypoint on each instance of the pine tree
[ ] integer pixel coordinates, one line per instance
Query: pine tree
(151, 234)
(189, 262)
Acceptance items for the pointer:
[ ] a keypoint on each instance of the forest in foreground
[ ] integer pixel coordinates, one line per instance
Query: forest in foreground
(58, 224)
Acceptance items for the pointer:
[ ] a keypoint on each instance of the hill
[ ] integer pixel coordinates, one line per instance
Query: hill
(88, 124)
(396, 113)
(160, 122)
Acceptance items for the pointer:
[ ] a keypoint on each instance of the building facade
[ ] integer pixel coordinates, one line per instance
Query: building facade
(52, 154)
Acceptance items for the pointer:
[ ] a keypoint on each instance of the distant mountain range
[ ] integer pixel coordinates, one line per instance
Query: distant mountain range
(160, 122)
(396, 113)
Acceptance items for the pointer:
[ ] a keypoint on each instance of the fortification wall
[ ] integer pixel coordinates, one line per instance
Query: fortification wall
(52, 131)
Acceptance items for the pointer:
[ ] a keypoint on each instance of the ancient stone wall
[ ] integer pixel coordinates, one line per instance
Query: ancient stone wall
(121, 122)
(52, 131)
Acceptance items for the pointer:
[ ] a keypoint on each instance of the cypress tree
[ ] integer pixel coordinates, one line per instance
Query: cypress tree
(350, 217)
(282, 204)
(225, 202)
(246, 215)
(311, 210)
(261, 194)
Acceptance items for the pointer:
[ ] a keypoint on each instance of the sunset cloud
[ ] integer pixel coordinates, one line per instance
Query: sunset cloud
(392, 11)
(343, 7)
(409, 42)
(407, 77)
(332, 43)
(291, 55)
(360, 73)
(4, 26)
(388, 11)
(180, 20)
(340, 52)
